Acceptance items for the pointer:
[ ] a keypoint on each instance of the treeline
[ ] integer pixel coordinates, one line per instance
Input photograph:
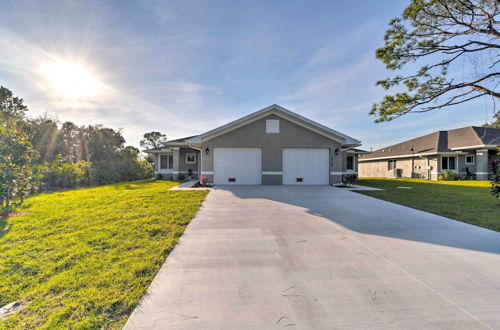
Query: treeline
(70, 156)
(42, 154)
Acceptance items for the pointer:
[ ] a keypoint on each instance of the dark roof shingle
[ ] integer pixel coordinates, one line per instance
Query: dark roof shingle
(441, 141)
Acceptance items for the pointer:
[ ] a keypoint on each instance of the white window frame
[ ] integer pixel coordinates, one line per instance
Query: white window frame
(473, 160)
(448, 169)
(194, 158)
(170, 164)
(272, 126)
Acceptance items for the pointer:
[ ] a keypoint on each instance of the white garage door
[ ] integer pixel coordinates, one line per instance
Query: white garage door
(305, 166)
(237, 165)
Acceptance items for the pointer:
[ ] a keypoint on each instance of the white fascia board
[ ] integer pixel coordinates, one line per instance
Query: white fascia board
(414, 155)
(157, 151)
(481, 146)
(179, 144)
(393, 157)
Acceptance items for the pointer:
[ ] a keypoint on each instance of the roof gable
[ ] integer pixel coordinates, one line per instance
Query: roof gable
(280, 112)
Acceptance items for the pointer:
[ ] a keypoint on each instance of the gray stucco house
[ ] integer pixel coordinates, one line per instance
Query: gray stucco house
(467, 148)
(271, 146)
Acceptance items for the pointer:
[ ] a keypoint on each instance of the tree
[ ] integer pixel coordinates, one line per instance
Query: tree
(459, 40)
(103, 143)
(153, 140)
(495, 176)
(44, 135)
(496, 123)
(69, 140)
(16, 152)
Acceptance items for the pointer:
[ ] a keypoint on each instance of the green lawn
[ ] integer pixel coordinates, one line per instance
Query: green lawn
(84, 258)
(466, 201)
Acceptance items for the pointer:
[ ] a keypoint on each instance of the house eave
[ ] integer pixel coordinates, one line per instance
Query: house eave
(354, 152)
(480, 146)
(157, 151)
(414, 155)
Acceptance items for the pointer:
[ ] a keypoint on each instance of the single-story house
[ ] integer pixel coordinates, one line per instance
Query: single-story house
(463, 149)
(271, 146)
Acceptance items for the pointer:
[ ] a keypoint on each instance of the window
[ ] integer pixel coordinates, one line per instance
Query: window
(448, 163)
(166, 162)
(272, 126)
(190, 158)
(391, 165)
(350, 163)
(469, 159)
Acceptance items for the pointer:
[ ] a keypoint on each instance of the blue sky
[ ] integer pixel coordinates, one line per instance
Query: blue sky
(183, 67)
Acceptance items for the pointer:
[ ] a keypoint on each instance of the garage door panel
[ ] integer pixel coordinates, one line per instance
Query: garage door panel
(237, 166)
(306, 166)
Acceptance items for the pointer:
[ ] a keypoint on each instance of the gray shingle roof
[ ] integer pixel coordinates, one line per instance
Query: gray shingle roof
(181, 139)
(441, 141)
(165, 144)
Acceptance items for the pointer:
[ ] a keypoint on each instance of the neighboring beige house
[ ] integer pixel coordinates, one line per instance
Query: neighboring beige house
(271, 146)
(464, 149)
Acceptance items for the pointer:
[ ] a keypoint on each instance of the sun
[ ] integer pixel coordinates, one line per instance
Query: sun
(70, 80)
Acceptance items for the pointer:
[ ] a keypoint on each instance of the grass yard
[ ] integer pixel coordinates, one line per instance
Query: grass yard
(84, 258)
(466, 201)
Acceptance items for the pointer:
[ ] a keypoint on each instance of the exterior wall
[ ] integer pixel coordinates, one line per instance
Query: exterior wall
(461, 163)
(185, 167)
(420, 166)
(415, 167)
(434, 167)
(374, 169)
(179, 164)
(291, 135)
(343, 157)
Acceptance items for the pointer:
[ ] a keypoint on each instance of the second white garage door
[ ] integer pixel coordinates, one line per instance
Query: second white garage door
(306, 166)
(237, 165)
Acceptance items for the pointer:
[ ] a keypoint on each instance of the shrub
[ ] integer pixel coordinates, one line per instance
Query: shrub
(451, 176)
(181, 177)
(495, 178)
(349, 179)
(59, 175)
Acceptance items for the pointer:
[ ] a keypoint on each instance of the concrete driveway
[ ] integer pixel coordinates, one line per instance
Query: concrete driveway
(267, 257)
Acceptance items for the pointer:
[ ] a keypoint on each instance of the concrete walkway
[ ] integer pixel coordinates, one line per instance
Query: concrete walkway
(268, 257)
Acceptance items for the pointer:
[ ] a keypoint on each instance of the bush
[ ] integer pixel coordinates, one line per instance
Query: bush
(59, 175)
(451, 176)
(495, 178)
(349, 179)
(181, 177)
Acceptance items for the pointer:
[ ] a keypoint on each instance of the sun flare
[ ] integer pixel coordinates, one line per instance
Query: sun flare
(70, 80)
